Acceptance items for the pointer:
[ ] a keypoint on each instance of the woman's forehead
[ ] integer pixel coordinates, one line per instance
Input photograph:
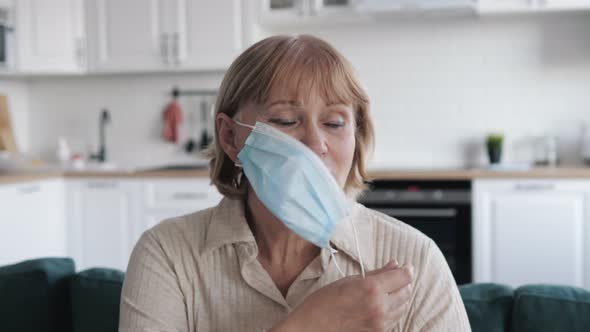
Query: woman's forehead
(302, 96)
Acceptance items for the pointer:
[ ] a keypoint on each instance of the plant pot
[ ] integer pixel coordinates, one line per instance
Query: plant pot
(494, 153)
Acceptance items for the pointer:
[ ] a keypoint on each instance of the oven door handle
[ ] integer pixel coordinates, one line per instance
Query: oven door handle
(426, 213)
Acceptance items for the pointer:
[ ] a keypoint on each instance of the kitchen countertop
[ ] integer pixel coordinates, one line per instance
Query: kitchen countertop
(392, 174)
(16, 177)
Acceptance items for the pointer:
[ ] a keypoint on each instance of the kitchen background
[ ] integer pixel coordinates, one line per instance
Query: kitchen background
(438, 85)
(440, 81)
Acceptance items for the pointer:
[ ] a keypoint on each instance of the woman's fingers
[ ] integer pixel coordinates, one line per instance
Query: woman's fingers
(397, 304)
(390, 280)
(389, 266)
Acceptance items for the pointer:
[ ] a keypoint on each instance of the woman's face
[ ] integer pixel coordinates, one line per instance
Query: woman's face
(327, 129)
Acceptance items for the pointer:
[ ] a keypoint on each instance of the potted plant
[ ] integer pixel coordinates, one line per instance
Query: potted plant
(494, 146)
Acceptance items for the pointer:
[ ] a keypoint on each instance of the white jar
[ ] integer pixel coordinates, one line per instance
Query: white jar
(63, 151)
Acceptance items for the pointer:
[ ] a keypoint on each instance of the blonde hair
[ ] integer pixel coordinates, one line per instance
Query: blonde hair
(300, 64)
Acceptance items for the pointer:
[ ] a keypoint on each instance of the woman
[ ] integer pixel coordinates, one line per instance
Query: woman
(288, 248)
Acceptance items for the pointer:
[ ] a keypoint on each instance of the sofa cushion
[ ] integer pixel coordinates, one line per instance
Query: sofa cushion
(96, 295)
(488, 306)
(551, 308)
(34, 295)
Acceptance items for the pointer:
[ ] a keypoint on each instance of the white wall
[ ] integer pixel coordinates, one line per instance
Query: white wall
(438, 86)
(70, 107)
(17, 93)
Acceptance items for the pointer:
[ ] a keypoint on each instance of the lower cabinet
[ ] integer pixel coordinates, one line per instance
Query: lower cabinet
(100, 213)
(32, 222)
(532, 231)
(106, 217)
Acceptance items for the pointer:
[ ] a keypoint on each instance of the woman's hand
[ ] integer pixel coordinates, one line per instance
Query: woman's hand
(375, 303)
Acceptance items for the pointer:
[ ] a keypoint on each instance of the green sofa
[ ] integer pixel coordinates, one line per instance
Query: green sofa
(48, 295)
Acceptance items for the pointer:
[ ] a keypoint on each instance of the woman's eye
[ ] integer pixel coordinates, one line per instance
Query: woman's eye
(283, 122)
(335, 124)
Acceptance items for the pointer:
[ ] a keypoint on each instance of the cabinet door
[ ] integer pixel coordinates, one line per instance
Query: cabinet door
(101, 214)
(50, 35)
(214, 34)
(285, 8)
(127, 35)
(32, 223)
(531, 232)
(565, 4)
(506, 6)
(166, 198)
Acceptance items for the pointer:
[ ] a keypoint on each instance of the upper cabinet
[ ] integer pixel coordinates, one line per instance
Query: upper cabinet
(289, 12)
(213, 34)
(128, 35)
(159, 35)
(50, 36)
(565, 4)
(505, 6)
(530, 6)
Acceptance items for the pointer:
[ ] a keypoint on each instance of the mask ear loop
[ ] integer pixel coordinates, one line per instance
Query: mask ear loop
(237, 163)
(332, 252)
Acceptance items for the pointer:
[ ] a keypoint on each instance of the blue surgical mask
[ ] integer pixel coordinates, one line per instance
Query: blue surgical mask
(295, 185)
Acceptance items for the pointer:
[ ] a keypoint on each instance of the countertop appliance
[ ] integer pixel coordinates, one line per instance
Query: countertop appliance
(439, 209)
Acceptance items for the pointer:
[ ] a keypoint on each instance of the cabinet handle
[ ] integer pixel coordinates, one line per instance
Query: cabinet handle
(80, 51)
(29, 189)
(176, 48)
(102, 185)
(164, 48)
(534, 186)
(189, 196)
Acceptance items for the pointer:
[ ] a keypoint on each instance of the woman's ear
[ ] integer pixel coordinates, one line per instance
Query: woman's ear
(227, 135)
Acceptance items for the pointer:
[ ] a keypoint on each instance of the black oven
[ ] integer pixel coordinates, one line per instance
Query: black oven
(439, 209)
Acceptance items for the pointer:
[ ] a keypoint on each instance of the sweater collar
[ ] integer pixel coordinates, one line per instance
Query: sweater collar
(228, 225)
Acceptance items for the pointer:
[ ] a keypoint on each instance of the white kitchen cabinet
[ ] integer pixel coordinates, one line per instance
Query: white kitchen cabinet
(212, 34)
(100, 221)
(305, 12)
(305, 7)
(127, 35)
(106, 217)
(559, 5)
(163, 35)
(530, 6)
(50, 36)
(531, 231)
(507, 6)
(166, 198)
(32, 221)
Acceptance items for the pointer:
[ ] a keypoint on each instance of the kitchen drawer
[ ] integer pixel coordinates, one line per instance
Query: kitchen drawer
(194, 194)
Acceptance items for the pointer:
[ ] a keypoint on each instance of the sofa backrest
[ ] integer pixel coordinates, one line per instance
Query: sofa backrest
(47, 295)
(530, 308)
(488, 306)
(551, 308)
(95, 295)
(34, 295)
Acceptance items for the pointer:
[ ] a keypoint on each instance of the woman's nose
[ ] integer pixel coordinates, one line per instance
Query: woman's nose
(315, 140)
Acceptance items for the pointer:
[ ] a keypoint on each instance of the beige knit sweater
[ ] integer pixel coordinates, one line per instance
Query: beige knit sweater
(199, 272)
